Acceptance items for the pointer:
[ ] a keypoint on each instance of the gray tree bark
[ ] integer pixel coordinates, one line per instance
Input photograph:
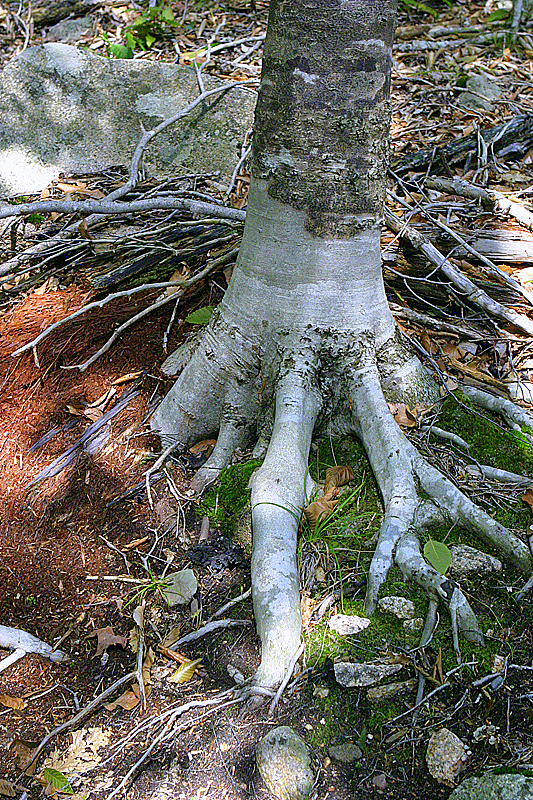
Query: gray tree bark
(304, 334)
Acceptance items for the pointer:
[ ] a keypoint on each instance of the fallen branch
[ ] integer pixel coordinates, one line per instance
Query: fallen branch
(513, 138)
(71, 723)
(490, 266)
(181, 283)
(490, 198)
(109, 206)
(473, 293)
(209, 627)
(22, 643)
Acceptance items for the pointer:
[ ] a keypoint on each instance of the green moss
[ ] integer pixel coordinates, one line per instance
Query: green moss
(224, 503)
(490, 443)
(339, 718)
(359, 512)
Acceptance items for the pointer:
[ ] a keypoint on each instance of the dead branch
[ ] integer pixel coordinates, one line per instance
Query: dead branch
(180, 283)
(71, 723)
(490, 266)
(490, 198)
(473, 293)
(511, 138)
(107, 207)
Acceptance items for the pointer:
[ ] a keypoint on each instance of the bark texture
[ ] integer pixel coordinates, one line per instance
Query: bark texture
(304, 334)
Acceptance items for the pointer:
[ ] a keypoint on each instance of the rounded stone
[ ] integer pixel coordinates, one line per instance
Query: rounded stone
(284, 763)
(345, 753)
(399, 607)
(495, 787)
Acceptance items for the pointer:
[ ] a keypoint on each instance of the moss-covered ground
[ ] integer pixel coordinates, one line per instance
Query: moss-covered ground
(345, 544)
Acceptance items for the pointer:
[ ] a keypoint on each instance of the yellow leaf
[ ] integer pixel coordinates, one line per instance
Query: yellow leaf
(185, 672)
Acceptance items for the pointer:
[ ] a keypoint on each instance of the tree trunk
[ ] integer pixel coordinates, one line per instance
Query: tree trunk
(304, 333)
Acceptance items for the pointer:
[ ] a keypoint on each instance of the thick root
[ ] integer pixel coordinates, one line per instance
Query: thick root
(399, 469)
(279, 490)
(227, 386)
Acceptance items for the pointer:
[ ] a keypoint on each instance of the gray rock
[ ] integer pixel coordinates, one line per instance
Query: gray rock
(345, 753)
(480, 91)
(348, 624)
(399, 607)
(495, 787)
(284, 762)
(180, 587)
(446, 756)
(469, 561)
(67, 110)
(71, 30)
(413, 625)
(353, 675)
(377, 694)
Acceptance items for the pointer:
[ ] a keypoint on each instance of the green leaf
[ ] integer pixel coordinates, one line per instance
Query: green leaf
(120, 51)
(167, 16)
(438, 555)
(201, 316)
(57, 780)
(500, 13)
(149, 39)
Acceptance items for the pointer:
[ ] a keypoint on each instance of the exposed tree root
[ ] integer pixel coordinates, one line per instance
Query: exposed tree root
(236, 387)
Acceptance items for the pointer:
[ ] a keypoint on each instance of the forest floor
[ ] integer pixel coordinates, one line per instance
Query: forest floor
(79, 551)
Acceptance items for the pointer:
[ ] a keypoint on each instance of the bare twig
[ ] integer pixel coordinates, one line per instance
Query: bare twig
(489, 197)
(490, 266)
(71, 723)
(181, 284)
(476, 295)
(209, 627)
(244, 596)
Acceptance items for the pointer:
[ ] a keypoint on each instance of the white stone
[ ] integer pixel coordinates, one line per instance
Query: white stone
(64, 109)
(446, 756)
(469, 561)
(347, 624)
(284, 762)
(413, 625)
(400, 607)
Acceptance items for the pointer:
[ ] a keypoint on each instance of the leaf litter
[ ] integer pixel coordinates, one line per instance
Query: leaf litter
(437, 52)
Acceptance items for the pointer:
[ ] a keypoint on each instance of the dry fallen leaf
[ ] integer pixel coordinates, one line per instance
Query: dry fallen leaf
(127, 701)
(107, 638)
(403, 415)
(172, 636)
(307, 605)
(527, 497)
(22, 752)
(451, 349)
(337, 476)
(147, 667)
(428, 344)
(206, 445)
(7, 788)
(15, 703)
(320, 509)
